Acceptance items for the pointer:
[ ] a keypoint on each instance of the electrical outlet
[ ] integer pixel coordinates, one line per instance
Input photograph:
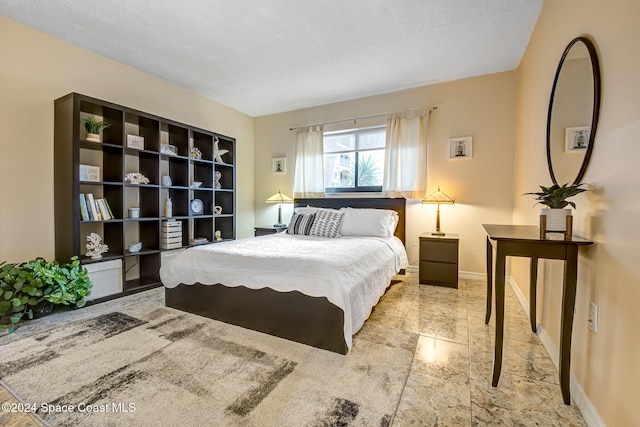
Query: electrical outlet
(593, 317)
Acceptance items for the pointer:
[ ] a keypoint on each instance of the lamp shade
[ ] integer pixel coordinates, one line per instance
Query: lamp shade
(279, 198)
(438, 197)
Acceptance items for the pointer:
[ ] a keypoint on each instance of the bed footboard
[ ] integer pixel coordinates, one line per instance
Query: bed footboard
(292, 315)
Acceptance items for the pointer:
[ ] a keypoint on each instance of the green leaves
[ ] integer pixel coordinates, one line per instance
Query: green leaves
(92, 125)
(27, 285)
(555, 196)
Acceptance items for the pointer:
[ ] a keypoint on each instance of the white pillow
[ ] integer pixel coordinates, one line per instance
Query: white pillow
(306, 210)
(369, 222)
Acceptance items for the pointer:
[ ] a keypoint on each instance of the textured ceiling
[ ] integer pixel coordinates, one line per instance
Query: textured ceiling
(268, 56)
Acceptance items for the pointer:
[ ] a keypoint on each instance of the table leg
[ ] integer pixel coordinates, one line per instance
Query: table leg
(500, 279)
(566, 327)
(533, 284)
(489, 281)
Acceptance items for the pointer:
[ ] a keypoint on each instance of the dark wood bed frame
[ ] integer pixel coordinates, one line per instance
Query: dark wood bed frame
(291, 315)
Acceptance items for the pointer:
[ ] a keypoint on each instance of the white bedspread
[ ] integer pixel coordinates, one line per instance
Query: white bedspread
(351, 272)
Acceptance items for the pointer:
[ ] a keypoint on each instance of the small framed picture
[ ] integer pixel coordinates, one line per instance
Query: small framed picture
(135, 141)
(576, 138)
(460, 148)
(279, 165)
(89, 173)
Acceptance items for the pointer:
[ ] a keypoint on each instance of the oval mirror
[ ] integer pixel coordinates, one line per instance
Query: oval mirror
(574, 107)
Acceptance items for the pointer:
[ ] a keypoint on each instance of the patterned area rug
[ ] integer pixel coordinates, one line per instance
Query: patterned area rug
(146, 364)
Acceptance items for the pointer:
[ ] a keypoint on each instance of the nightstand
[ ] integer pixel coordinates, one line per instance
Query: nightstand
(439, 260)
(262, 231)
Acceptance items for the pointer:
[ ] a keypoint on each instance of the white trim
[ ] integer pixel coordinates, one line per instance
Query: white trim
(580, 398)
(471, 275)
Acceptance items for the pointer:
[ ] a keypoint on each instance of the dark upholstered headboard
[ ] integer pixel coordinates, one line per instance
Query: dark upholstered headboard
(397, 204)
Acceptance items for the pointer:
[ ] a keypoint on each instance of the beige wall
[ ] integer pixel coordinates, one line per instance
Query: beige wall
(605, 364)
(35, 69)
(481, 107)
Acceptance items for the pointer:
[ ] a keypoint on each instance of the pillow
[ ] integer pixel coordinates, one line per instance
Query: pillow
(327, 223)
(369, 222)
(301, 223)
(306, 210)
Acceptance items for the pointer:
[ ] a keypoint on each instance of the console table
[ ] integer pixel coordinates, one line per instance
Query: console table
(525, 241)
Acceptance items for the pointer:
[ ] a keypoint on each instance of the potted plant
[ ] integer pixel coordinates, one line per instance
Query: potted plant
(34, 288)
(93, 128)
(555, 198)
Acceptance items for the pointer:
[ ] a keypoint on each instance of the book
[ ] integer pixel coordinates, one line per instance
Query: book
(92, 206)
(83, 208)
(109, 209)
(104, 213)
(97, 210)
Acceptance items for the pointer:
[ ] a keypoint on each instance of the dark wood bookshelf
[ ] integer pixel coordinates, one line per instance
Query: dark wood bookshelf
(140, 270)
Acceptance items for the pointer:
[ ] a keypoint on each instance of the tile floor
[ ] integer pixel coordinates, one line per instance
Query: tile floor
(450, 379)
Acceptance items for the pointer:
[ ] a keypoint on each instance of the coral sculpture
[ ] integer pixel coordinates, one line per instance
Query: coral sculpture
(95, 249)
(136, 178)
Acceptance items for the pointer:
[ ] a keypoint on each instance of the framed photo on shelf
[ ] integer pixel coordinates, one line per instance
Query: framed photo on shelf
(279, 165)
(89, 173)
(135, 141)
(576, 138)
(460, 148)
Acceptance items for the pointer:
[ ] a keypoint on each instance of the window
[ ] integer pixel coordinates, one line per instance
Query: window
(354, 160)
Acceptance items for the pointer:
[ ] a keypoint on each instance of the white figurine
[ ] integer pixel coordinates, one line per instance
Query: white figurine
(218, 235)
(196, 153)
(95, 249)
(217, 152)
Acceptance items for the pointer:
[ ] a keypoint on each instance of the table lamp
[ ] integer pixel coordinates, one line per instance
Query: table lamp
(437, 198)
(279, 198)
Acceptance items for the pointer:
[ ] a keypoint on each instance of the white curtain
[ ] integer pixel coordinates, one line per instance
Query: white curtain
(308, 178)
(405, 172)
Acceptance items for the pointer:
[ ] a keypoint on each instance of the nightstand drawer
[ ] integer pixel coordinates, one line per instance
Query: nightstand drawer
(439, 273)
(439, 251)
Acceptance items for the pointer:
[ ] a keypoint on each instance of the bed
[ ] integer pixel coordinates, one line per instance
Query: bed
(286, 289)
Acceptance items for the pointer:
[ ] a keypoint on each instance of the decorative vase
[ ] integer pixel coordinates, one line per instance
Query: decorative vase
(93, 137)
(556, 219)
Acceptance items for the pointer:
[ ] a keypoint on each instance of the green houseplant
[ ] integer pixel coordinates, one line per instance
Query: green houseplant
(93, 128)
(25, 288)
(555, 198)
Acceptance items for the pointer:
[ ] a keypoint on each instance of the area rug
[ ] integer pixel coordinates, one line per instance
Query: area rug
(149, 365)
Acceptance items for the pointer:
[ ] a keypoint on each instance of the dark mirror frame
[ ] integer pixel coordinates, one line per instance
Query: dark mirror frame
(595, 66)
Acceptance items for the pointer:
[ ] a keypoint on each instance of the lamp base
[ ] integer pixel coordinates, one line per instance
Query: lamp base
(438, 233)
(279, 225)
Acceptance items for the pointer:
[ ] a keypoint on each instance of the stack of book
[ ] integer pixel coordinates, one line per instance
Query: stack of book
(94, 209)
(171, 234)
(198, 240)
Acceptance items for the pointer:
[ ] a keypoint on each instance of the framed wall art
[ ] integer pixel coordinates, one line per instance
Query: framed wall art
(279, 165)
(576, 138)
(460, 148)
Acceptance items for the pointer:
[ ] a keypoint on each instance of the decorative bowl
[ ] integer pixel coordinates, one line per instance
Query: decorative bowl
(135, 247)
(196, 184)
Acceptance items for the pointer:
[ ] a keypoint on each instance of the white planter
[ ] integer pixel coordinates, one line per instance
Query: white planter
(93, 137)
(556, 218)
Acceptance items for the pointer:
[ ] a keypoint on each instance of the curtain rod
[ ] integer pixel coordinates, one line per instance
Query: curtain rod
(366, 117)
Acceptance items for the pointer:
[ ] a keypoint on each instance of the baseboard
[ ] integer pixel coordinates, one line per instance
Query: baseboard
(580, 398)
(472, 275)
(461, 274)
(412, 269)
